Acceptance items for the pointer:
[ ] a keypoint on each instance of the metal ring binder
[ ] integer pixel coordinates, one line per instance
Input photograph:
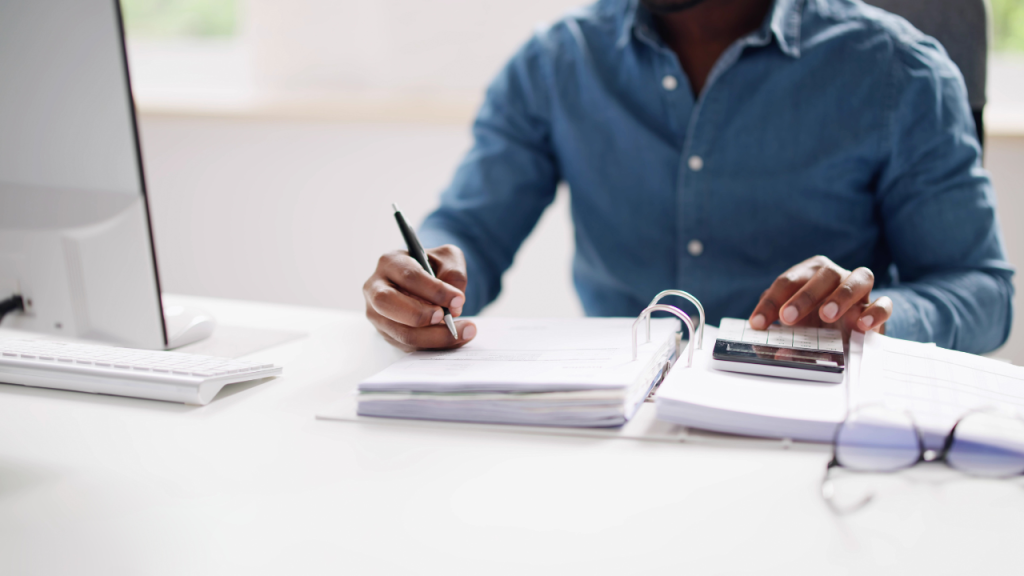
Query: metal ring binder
(703, 317)
(646, 315)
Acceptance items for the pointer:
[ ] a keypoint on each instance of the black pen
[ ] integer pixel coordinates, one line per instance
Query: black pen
(416, 251)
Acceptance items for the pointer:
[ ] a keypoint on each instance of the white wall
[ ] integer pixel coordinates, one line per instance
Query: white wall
(415, 47)
(299, 212)
(1004, 157)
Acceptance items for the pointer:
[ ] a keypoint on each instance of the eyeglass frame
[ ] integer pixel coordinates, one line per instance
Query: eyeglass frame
(925, 454)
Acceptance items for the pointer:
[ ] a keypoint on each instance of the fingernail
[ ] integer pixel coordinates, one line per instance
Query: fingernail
(437, 317)
(830, 310)
(457, 302)
(866, 322)
(468, 332)
(757, 322)
(789, 313)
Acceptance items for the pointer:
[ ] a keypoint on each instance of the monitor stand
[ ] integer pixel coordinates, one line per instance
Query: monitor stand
(186, 324)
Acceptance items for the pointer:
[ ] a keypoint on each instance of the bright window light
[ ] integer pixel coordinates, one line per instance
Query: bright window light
(1008, 25)
(180, 18)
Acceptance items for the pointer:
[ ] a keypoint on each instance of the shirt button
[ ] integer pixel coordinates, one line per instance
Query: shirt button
(696, 163)
(669, 83)
(695, 247)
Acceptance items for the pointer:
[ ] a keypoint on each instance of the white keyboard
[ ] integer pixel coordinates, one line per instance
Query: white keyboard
(170, 376)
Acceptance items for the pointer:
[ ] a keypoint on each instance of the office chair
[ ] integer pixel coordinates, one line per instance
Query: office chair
(962, 26)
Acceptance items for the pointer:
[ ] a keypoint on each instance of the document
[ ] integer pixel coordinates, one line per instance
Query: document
(546, 372)
(530, 355)
(749, 404)
(936, 386)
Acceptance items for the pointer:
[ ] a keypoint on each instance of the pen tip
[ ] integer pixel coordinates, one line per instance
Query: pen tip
(394, 207)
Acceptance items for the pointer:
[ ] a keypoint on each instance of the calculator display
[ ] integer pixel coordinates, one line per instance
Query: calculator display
(820, 360)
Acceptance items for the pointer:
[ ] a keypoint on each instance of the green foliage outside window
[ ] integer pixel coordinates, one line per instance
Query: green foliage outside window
(180, 18)
(1008, 25)
(219, 18)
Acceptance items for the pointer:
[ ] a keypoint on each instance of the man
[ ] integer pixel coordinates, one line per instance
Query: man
(712, 146)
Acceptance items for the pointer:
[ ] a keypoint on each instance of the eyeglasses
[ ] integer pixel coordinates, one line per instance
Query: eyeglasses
(878, 439)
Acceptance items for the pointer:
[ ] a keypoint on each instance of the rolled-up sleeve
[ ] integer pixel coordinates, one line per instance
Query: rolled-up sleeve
(939, 212)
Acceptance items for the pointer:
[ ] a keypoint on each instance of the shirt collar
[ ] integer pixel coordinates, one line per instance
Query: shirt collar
(783, 22)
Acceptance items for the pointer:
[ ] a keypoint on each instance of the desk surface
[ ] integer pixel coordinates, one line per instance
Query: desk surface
(253, 484)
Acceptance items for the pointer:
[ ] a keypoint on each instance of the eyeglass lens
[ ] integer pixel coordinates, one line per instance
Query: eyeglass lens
(988, 445)
(877, 439)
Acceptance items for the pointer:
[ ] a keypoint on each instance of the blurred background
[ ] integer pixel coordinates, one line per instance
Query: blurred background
(276, 134)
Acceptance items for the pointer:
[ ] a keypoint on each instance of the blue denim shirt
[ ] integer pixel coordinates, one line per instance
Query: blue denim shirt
(834, 129)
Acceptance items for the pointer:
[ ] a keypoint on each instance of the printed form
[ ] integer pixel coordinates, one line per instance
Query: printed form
(936, 386)
(539, 355)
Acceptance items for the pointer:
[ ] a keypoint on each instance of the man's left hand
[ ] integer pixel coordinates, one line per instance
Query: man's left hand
(817, 292)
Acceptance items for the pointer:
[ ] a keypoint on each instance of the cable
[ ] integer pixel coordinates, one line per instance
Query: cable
(14, 303)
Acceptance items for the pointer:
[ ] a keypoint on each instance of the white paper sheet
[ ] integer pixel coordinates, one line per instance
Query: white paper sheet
(730, 402)
(531, 355)
(643, 426)
(937, 386)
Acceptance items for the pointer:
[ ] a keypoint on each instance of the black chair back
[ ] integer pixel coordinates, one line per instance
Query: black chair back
(962, 27)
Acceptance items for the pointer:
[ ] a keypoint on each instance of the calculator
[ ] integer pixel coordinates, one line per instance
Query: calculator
(801, 353)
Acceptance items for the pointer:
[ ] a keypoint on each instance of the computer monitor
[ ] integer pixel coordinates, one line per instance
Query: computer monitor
(75, 235)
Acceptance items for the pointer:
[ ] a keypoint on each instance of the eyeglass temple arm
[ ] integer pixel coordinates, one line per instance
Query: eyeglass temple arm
(828, 493)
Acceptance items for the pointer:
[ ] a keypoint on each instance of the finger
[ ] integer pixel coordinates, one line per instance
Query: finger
(449, 265)
(411, 338)
(396, 306)
(854, 289)
(407, 274)
(767, 309)
(875, 315)
(810, 295)
(430, 337)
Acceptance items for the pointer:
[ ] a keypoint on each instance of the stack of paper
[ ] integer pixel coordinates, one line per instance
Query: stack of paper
(577, 372)
(749, 404)
(935, 386)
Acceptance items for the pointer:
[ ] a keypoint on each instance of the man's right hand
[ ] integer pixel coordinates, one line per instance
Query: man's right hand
(404, 302)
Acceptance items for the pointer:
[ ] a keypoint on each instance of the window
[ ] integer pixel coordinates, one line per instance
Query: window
(1004, 113)
(1008, 25)
(180, 18)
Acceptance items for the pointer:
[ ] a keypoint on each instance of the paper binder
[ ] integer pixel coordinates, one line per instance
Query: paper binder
(654, 306)
(542, 372)
(687, 296)
(646, 316)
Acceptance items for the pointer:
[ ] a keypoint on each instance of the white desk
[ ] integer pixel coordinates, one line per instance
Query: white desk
(253, 484)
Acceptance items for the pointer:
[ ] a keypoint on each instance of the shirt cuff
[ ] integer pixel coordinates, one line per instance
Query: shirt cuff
(906, 321)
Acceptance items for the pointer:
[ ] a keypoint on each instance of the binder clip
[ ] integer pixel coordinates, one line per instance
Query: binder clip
(703, 317)
(646, 316)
